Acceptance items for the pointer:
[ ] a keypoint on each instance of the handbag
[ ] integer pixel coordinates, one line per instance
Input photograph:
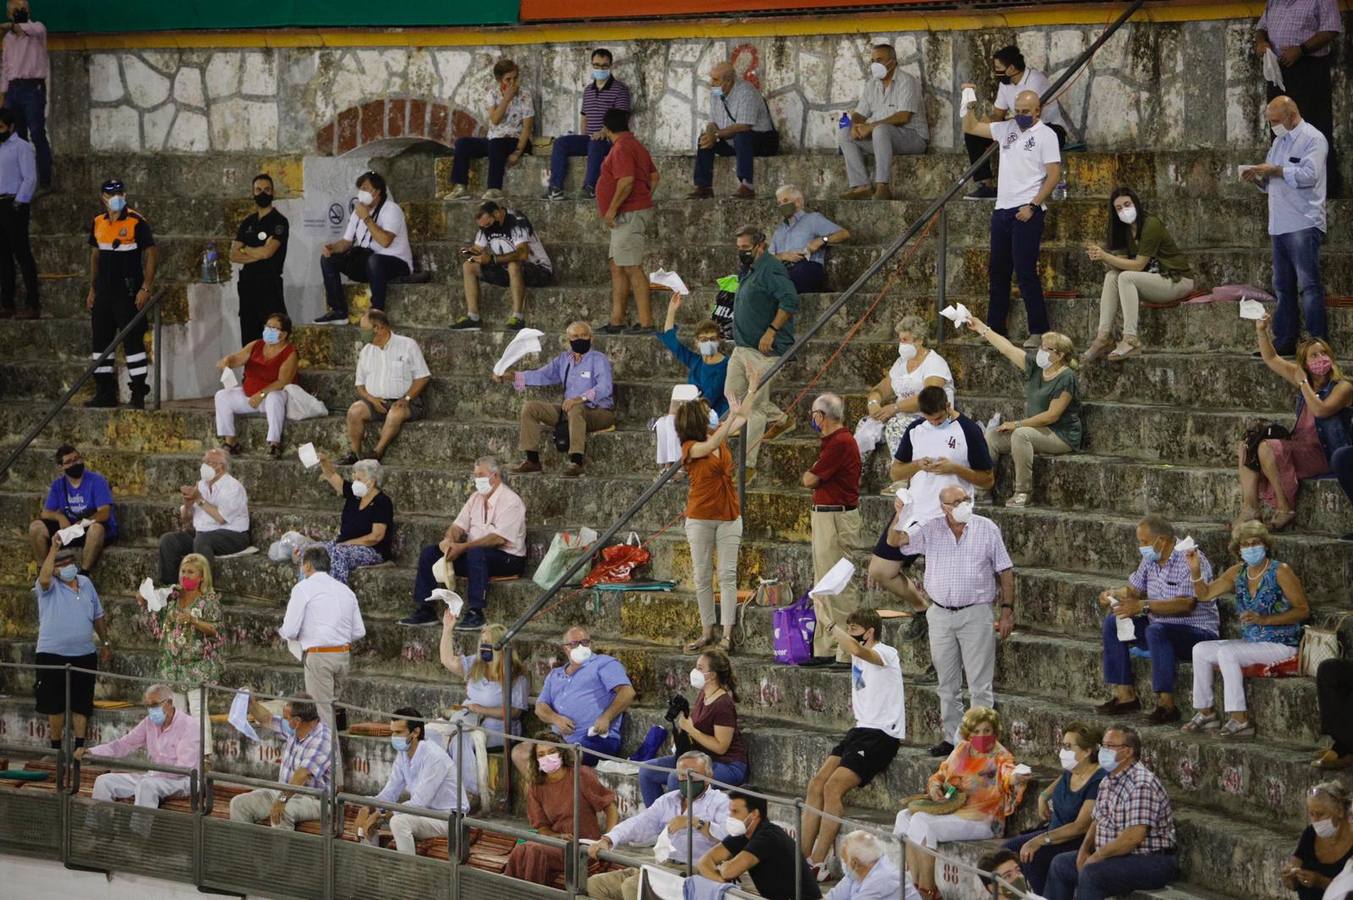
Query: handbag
(565, 547)
(618, 562)
(767, 592)
(722, 313)
(1319, 644)
(794, 626)
(1256, 433)
(921, 803)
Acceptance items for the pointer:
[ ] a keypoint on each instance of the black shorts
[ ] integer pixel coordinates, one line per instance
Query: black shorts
(866, 752)
(535, 275)
(415, 409)
(883, 550)
(50, 685)
(53, 528)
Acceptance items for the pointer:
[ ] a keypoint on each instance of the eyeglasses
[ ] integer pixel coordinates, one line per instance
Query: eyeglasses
(1113, 746)
(585, 642)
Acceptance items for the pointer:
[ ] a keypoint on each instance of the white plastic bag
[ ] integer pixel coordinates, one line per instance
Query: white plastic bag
(302, 405)
(285, 547)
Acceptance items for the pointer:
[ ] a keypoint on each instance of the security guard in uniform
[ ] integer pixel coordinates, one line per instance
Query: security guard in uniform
(260, 246)
(122, 274)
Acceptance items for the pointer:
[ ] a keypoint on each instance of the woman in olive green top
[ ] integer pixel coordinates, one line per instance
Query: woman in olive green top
(1152, 268)
(1052, 406)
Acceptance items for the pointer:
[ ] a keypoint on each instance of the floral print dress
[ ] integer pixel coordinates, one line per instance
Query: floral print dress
(187, 656)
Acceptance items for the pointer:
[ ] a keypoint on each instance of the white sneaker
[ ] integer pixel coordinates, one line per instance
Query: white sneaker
(1018, 501)
(458, 192)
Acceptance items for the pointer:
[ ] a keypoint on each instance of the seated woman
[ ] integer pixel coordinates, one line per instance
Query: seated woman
(269, 366)
(483, 676)
(1066, 805)
(1325, 847)
(984, 771)
(549, 809)
(1052, 406)
(1272, 605)
(712, 728)
(188, 629)
(1321, 439)
(511, 115)
(368, 523)
(892, 402)
(1143, 263)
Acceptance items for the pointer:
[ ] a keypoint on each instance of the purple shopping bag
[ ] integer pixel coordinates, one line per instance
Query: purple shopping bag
(794, 626)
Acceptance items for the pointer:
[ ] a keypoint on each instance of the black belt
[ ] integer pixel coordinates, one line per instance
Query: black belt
(957, 608)
(833, 508)
(37, 81)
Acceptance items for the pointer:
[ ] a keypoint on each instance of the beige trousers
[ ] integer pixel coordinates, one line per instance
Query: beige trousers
(835, 535)
(256, 806)
(1023, 443)
(537, 415)
(760, 410)
(1127, 289)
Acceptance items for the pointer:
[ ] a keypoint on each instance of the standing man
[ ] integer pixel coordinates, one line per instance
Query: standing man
(18, 182)
(800, 240)
(214, 517)
(323, 617)
(739, 125)
(24, 70)
(763, 328)
(1300, 33)
(835, 482)
(1294, 177)
(374, 248)
(967, 567)
(77, 494)
(603, 93)
(122, 274)
(625, 202)
(1031, 165)
(1008, 66)
(506, 252)
(260, 247)
(889, 118)
(391, 378)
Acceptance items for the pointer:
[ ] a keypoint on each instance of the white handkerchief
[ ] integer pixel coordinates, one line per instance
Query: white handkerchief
(239, 714)
(1273, 72)
(309, 458)
(229, 379)
(296, 650)
(1127, 629)
(1022, 769)
(682, 393)
(1185, 545)
(526, 342)
(155, 598)
(958, 314)
(439, 571)
(658, 882)
(73, 533)
(670, 280)
(968, 101)
(1252, 309)
(452, 600)
(836, 579)
(905, 496)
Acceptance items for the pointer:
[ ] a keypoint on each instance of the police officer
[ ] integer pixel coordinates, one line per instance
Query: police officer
(260, 247)
(122, 275)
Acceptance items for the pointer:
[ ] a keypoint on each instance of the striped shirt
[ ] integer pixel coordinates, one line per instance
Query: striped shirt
(960, 571)
(1171, 579)
(1134, 797)
(614, 94)
(1292, 22)
(311, 753)
(743, 105)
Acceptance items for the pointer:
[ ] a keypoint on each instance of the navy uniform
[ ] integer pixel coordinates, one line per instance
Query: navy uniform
(260, 286)
(121, 237)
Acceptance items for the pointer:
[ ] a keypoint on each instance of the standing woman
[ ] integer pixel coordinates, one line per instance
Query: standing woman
(269, 366)
(188, 628)
(483, 675)
(367, 526)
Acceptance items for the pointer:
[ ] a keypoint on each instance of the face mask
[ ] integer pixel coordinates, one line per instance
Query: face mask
(707, 348)
(696, 788)
(1108, 759)
(1280, 130)
(963, 512)
(483, 485)
(1002, 77)
(399, 742)
(68, 572)
(906, 352)
(735, 827)
(365, 198)
(580, 346)
(983, 743)
(190, 583)
(697, 679)
(486, 653)
(1127, 215)
(156, 715)
(117, 203)
(716, 91)
(878, 70)
(1321, 365)
(1253, 555)
(1149, 553)
(600, 75)
(550, 763)
(812, 423)
(1067, 758)
(787, 209)
(263, 200)
(1043, 358)
(287, 728)
(206, 471)
(360, 489)
(271, 335)
(1024, 122)
(20, 15)
(746, 257)
(75, 470)
(1323, 828)
(580, 655)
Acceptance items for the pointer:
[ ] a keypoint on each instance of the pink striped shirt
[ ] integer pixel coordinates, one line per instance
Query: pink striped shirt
(175, 744)
(25, 53)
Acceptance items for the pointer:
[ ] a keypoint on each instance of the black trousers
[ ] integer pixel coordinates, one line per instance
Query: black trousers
(114, 307)
(1334, 693)
(14, 247)
(976, 146)
(1309, 84)
(260, 298)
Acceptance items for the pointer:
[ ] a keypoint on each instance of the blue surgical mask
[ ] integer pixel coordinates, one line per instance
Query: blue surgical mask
(1149, 553)
(156, 715)
(1024, 122)
(68, 572)
(399, 742)
(117, 203)
(812, 423)
(707, 348)
(1253, 555)
(271, 335)
(716, 91)
(486, 654)
(287, 729)
(1108, 759)
(600, 75)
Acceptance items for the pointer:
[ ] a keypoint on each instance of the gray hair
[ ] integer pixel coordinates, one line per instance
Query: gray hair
(317, 557)
(488, 462)
(1132, 739)
(861, 847)
(831, 406)
(159, 693)
(913, 325)
(698, 756)
(304, 708)
(368, 468)
(792, 190)
(1158, 525)
(751, 231)
(218, 457)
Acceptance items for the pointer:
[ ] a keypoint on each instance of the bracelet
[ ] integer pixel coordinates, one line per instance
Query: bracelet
(773, 328)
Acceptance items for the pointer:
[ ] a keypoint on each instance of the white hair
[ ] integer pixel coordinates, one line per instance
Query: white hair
(368, 468)
(218, 457)
(861, 847)
(487, 462)
(699, 756)
(159, 693)
(831, 406)
(790, 189)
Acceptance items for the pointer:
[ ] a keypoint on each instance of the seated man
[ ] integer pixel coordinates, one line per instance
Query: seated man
(867, 873)
(374, 248)
(589, 400)
(583, 700)
(307, 761)
(423, 770)
(487, 540)
(707, 815)
(506, 252)
(603, 92)
(739, 125)
(1167, 616)
(1004, 864)
(889, 118)
(214, 517)
(169, 737)
(763, 850)
(800, 241)
(76, 494)
(391, 378)
(1131, 843)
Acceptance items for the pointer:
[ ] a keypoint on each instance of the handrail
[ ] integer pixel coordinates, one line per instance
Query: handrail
(152, 305)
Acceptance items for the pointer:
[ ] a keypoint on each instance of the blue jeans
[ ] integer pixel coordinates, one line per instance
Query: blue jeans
(1036, 869)
(1341, 464)
(1296, 272)
(359, 264)
(1110, 878)
(1014, 251)
(654, 783)
(570, 145)
(808, 276)
(478, 564)
(28, 98)
(745, 146)
(1166, 643)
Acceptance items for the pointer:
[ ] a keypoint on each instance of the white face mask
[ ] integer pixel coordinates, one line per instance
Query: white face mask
(707, 348)
(483, 485)
(963, 512)
(1280, 130)
(360, 489)
(365, 198)
(906, 352)
(1068, 759)
(735, 827)
(207, 472)
(1324, 828)
(878, 70)
(580, 655)
(1043, 358)
(697, 679)
(1127, 215)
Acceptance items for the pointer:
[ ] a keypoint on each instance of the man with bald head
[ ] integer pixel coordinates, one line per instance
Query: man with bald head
(214, 517)
(1030, 167)
(1294, 177)
(739, 125)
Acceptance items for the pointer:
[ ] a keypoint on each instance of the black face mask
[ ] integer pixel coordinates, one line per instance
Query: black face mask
(75, 470)
(263, 200)
(20, 16)
(580, 346)
(1003, 79)
(746, 257)
(486, 654)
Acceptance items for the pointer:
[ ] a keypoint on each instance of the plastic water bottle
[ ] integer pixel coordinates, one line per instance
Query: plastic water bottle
(844, 121)
(209, 257)
(1059, 192)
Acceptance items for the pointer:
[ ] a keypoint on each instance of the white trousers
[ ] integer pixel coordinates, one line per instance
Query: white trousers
(1231, 657)
(929, 831)
(147, 789)
(232, 402)
(409, 830)
(962, 642)
(255, 807)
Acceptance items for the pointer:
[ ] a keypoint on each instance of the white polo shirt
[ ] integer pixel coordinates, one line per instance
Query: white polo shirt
(1031, 80)
(1024, 159)
(390, 218)
(388, 372)
(959, 440)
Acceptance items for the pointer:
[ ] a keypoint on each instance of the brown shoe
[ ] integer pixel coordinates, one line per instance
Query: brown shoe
(1098, 347)
(526, 466)
(573, 471)
(1164, 715)
(744, 193)
(1332, 761)
(1115, 707)
(784, 426)
(28, 312)
(882, 192)
(857, 193)
(700, 193)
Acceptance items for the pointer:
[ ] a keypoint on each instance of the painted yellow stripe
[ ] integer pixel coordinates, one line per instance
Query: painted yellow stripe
(710, 29)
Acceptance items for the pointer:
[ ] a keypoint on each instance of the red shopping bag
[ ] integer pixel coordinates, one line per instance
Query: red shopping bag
(617, 563)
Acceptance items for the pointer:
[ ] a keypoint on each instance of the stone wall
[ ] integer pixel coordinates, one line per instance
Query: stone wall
(1162, 85)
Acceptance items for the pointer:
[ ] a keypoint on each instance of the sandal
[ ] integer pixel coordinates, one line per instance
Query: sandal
(1282, 520)
(1128, 346)
(233, 449)
(1200, 722)
(724, 643)
(1098, 347)
(275, 451)
(698, 644)
(1233, 729)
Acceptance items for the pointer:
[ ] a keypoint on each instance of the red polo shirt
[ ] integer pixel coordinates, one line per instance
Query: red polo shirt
(838, 468)
(627, 159)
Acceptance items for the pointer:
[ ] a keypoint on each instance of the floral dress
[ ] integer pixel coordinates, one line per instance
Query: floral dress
(187, 656)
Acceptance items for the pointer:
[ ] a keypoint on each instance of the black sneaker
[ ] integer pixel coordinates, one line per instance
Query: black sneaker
(516, 322)
(641, 329)
(554, 194)
(982, 193)
(101, 401)
(332, 318)
(425, 615)
(464, 323)
(470, 620)
(611, 329)
(589, 192)
(943, 748)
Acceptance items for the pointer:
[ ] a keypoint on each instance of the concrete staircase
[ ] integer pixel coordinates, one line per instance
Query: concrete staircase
(1161, 435)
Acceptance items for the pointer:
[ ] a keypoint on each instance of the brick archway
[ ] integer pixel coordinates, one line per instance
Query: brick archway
(393, 118)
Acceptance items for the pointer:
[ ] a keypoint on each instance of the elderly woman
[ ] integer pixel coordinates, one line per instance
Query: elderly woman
(984, 772)
(891, 405)
(1326, 845)
(1272, 605)
(188, 628)
(511, 116)
(483, 677)
(269, 366)
(1052, 421)
(1065, 806)
(1143, 262)
(367, 527)
(550, 810)
(1322, 437)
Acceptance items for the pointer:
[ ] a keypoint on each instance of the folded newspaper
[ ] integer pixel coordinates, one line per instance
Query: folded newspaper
(669, 280)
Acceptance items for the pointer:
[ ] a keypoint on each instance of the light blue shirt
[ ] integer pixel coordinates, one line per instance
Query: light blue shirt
(585, 694)
(644, 827)
(428, 778)
(18, 169)
(799, 229)
(1297, 200)
(880, 884)
(66, 617)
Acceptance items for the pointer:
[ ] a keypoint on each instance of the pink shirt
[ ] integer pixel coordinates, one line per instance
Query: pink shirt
(501, 513)
(176, 744)
(25, 53)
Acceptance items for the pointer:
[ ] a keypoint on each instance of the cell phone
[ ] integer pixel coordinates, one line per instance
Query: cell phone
(468, 252)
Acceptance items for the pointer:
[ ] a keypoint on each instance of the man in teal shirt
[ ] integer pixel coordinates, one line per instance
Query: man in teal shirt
(763, 328)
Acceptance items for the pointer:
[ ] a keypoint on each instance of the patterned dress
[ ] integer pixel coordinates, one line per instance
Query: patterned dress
(187, 656)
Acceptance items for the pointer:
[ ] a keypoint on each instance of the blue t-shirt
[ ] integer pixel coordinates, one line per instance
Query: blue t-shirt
(76, 503)
(585, 694)
(66, 618)
(709, 379)
(1066, 803)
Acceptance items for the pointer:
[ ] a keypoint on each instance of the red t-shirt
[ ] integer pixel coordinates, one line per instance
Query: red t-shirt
(838, 467)
(627, 159)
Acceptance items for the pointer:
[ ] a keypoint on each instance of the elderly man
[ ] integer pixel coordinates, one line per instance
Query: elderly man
(967, 567)
(391, 378)
(867, 873)
(800, 240)
(1131, 842)
(69, 614)
(1166, 615)
(583, 700)
(625, 203)
(307, 761)
(169, 736)
(739, 125)
(1301, 34)
(588, 405)
(425, 772)
(77, 495)
(214, 517)
(374, 248)
(602, 93)
(1031, 165)
(763, 328)
(24, 70)
(760, 849)
(889, 118)
(123, 259)
(487, 540)
(324, 618)
(508, 253)
(835, 482)
(1294, 177)
(707, 815)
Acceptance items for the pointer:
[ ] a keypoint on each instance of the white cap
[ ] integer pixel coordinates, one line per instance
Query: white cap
(681, 393)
